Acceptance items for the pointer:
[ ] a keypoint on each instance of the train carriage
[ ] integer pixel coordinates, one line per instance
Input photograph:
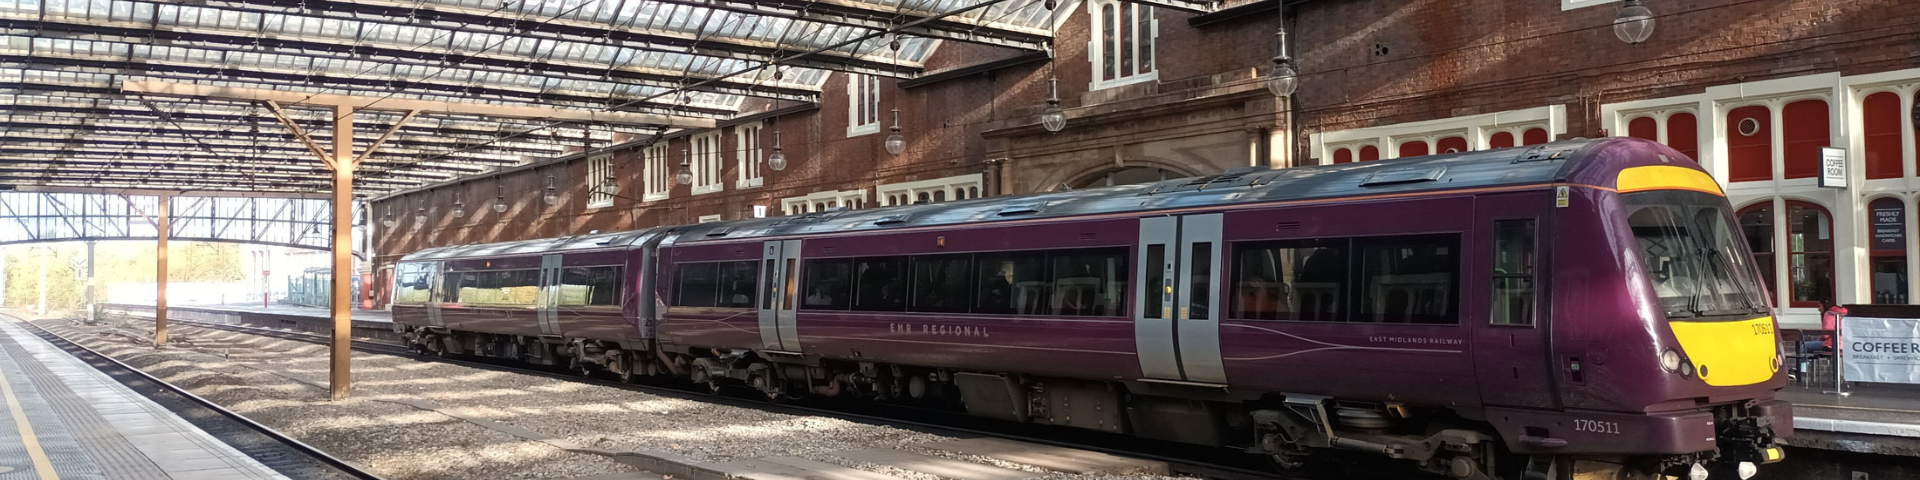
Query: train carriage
(1520, 313)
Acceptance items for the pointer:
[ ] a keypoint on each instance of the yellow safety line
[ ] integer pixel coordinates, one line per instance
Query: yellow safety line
(40, 463)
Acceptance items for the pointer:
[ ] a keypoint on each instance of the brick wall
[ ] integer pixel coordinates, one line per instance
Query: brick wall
(1365, 63)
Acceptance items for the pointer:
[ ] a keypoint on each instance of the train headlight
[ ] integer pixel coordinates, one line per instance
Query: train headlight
(1698, 472)
(1670, 360)
(1748, 470)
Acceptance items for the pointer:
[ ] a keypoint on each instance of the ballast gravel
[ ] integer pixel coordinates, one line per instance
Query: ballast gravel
(281, 383)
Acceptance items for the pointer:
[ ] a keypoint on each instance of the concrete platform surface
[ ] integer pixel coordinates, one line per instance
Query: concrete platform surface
(67, 420)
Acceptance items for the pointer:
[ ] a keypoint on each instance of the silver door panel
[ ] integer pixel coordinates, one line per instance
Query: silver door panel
(1198, 327)
(1154, 335)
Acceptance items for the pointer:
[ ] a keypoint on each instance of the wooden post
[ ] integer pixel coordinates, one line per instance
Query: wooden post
(162, 227)
(340, 305)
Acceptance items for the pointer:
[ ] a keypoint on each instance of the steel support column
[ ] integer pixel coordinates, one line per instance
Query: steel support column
(340, 306)
(90, 296)
(163, 226)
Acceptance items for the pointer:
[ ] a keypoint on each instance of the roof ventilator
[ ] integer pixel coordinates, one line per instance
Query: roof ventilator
(720, 232)
(1019, 209)
(1411, 175)
(1544, 152)
(891, 220)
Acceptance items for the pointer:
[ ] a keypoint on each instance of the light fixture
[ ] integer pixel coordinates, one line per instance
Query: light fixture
(499, 196)
(388, 221)
(1634, 23)
(895, 142)
(553, 193)
(685, 175)
(777, 160)
(419, 212)
(609, 187)
(1053, 118)
(1283, 80)
(459, 207)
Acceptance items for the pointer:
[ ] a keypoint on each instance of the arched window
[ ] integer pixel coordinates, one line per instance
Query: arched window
(1810, 254)
(1534, 136)
(1880, 114)
(1756, 224)
(1749, 144)
(1342, 156)
(1887, 245)
(1500, 140)
(1644, 127)
(1413, 149)
(1804, 133)
(1451, 145)
(1369, 153)
(1683, 134)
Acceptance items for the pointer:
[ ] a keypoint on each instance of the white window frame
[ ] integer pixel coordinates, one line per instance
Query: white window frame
(709, 218)
(863, 104)
(705, 162)
(1573, 4)
(958, 187)
(599, 168)
(814, 202)
(748, 154)
(1477, 129)
(659, 175)
(1097, 47)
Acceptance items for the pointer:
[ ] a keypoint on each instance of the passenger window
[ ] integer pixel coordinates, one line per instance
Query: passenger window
(1200, 284)
(767, 279)
(1302, 280)
(413, 283)
(1407, 279)
(582, 286)
(1513, 264)
(499, 288)
(1012, 283)
(736, 284)
(695, 284)
(1153, 281)
(826, 283)
(880, 284)
(940, 283)
(450, 286)
(786, 296)
(1089, 282)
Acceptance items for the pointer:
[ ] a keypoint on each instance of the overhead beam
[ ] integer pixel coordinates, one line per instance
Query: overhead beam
(395, 104)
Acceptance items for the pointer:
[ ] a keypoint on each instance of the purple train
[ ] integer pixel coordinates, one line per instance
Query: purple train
(1580, 309)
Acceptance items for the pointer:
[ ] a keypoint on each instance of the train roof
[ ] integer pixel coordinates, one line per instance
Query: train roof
(1583, 161)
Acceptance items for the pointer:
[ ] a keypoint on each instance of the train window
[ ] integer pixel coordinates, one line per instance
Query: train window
(736, 284)
(696, 284)
(880, 284)
(1513, 267)
(1407, 279)
(450, 287)
(767, 283)
(1153, 278)
(412, 283)
(1304, 280)
(499, 288)
(1200, 280)
(1089, 282)
(1012, 283)
(580, 286)
(940, 283)
(827, 283)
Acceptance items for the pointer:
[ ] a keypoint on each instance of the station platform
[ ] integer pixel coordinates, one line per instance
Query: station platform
(67, 420)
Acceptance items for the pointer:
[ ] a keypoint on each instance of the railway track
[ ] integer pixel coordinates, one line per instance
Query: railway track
(1213, 463)
(271, 448)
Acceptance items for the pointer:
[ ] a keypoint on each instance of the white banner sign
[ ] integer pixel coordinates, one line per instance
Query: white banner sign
(1881, 350)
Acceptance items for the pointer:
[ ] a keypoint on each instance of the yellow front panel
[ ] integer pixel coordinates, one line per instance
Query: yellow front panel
(1665, 177)
(1729, 354)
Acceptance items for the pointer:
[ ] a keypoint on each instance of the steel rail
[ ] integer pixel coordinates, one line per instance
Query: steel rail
(342, 465)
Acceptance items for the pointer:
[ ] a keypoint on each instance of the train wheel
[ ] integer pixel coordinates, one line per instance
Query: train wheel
(627, 376)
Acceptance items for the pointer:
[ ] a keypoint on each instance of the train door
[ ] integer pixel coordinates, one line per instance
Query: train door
(546, 303)
(779, 273)
(1512, 334)
(1176, 326)
(434, 274)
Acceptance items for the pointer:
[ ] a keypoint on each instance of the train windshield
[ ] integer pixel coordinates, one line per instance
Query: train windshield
(1688, 248)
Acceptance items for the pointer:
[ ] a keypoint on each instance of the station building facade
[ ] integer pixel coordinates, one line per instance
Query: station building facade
(1752, 89)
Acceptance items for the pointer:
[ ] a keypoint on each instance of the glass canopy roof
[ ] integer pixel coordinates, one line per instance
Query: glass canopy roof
(70, 123)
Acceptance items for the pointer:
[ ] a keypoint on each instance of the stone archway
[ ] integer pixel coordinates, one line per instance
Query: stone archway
(1127, 173)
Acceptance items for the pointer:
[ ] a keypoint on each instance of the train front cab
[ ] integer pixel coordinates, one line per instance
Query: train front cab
(1665, 355)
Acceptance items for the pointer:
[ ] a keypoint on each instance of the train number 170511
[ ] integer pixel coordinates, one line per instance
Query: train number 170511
(1596, 426)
